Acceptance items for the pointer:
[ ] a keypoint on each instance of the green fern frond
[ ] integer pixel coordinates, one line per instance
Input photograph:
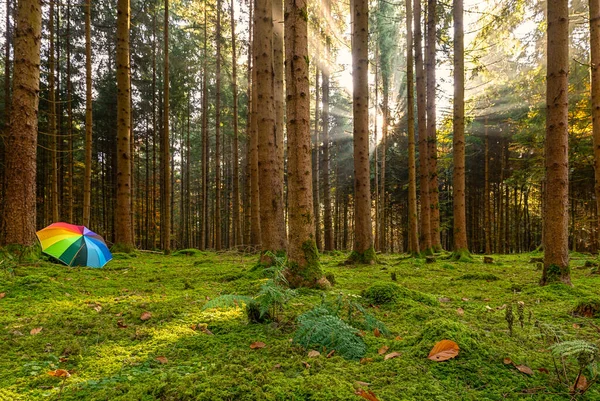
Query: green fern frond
(583, 351)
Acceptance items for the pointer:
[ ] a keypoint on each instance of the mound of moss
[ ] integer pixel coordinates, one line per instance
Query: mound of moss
(444, 329)
(479, 276)
(385, 293)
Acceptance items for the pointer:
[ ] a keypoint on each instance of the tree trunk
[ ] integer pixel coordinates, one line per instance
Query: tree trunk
(204, 227)
(87, 179)
(327, 218)
(123, 237)
(248, 183)
(363, 240)
(434, 198)
(303, 267)
(52, 132)
(458, 178)
(165, 146)
(19, 217)
(413, 233)
(595, 73)
(487, 223)
(278, 89)
(237, 232)
(316, 163)
(218, 239)
(556, 218)
(273, 236)
(255, 220)
(425, 232)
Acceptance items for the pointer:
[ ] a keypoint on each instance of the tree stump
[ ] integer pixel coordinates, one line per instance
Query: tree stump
(488, 260)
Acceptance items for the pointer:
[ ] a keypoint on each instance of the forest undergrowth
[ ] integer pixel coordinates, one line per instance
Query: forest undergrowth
(142, 328)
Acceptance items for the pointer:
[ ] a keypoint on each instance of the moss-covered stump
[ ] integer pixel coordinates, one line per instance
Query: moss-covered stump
(588, 308)
(461, 255)
(120, 247)
(367, 257)
(306, 271)
(20, 253)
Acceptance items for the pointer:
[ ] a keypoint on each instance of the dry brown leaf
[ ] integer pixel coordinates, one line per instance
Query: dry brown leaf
(376, 332)
(306, 365)
(59, 373)
(391, 355)
(330, 353)
(383, 350)
(162, 360)
(398, 338)
(444, 350)
(582, 384)
(507, 361)
(257, 345)
(121, 324)
(361, 333)
(35, 331)
(465, 299)
(146, 316)
(576, 326)
(206, 331)
(524, 369)
(2, 295)
(313, 354)
(444, 300)
(488, 307)
(364, 361)
(460, 312)
(278, 366)
(368, 395)
(63, 359)
(543, 370)
(119, 314)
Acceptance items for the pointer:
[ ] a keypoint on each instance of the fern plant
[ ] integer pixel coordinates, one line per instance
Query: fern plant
(585, 354)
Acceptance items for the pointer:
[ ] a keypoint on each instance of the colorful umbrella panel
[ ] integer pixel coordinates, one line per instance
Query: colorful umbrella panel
(74, 245)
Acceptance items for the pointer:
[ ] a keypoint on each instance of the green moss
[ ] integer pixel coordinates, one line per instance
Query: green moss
(188, 252)
(556, 274)
(20, 253)
(389, 292)
(479, 276)
(461, 255)
(308, 274)
(436, 330)
(367, 257)
(120, 247)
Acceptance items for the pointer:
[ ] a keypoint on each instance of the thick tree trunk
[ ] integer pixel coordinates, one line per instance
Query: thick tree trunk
(19, 217)
(595, 73)
(278, 89)
(434, 201)
(303, 268)
(458, 178)
(425, 241)
(273, 236)
(218, 239)
(413, 232)
(52, 132)
(87, 178)
(487, 223)
(165, 146)
(327, 218)
(248, 183)
(363, 238)
(123, 237)
(204, 227)
(255, 220)
(236, 231)
(556, 218)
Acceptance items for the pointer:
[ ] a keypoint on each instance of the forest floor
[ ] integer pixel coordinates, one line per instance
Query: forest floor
(93, 323)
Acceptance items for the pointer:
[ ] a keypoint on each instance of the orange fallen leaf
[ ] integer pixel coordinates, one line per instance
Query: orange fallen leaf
(376, 332)
(35, 331)
(313, 354)
(146, 316)
(524, 369)
(63, 359)
(383, 350)
(507, 361)
(257, 345)
(364, 361)
(330, 353)
(2, 295)
(543, 370)
(398, 338)
(368, 395)
(306, 365)
(59, 373)
(460, 312)
(576, 326)
(391, 355)
(162, 360)
(444, 350)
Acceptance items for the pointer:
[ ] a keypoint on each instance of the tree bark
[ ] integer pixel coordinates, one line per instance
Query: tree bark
(425, 242)
(458, 178)
(87, 180)
(595, 78)
(413, 232)
(434, 201)
(19, 217)
(327, 217)
(166, 145)
(52, 132)
(487, 223)
(218, 239)
(204, 227)
(123, 237)
(273, 236)
(237, 232)
(556, 219)
(316, 163)
(363, 238)
(278, 89)
(255, 220)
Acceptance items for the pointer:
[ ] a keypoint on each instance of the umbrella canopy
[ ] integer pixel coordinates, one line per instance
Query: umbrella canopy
(74, 245)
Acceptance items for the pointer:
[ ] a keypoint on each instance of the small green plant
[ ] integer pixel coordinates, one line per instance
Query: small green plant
(509, 317)
(274, 293)
(585, 355)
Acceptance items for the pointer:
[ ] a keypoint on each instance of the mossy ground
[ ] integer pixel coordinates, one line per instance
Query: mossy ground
(80, 309)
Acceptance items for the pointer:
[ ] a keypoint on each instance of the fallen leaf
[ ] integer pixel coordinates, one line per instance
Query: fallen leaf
(507, 361)
(358, 383)
(330, 353)
(368, 395)
(487, 299)
(119, 314)
(543, 370)
(376, 332)
(162, 360)
(576, 326)
(383, 350)
(121, 324)
(444, 299)
(146, 316)
(59, 373)
(306, 365)
(257, 345)
(364, 361)
(97, 307)
(524, 369)
(193, 327)
(501, 307)
(278, 366)
(443, 350)
(398, 338)
(2, 295)
(206, 331)
(391, 355)
(488, 307)
(465, 299)
(361, 333)
(582, 384)
(35, 331)
(313, 354)
(460, 312)
(63, 359)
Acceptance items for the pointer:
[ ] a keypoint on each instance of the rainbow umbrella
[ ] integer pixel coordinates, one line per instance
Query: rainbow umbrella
(74, 245)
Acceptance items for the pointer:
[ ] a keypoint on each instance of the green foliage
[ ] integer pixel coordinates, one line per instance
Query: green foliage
(227, 301)
(319, 328)
(188, 252)
(479, 276)
(584, 352)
